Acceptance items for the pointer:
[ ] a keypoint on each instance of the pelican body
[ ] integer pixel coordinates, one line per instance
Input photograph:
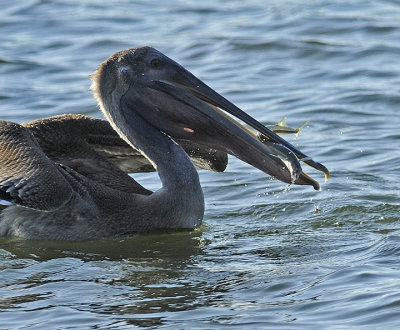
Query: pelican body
(63, 178)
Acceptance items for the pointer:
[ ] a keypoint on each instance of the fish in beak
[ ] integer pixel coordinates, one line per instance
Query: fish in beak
(180, 105)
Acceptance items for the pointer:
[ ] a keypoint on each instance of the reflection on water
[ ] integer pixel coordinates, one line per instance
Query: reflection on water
(268, 255)
(146, 274)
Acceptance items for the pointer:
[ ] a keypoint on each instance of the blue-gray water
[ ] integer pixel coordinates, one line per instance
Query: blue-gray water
(266, 256)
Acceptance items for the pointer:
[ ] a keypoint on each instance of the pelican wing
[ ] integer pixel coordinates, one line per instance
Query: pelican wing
(108, 144)
(62, 139)
(27, 176)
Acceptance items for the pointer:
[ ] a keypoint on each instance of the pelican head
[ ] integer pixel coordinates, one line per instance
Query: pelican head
(175, 102)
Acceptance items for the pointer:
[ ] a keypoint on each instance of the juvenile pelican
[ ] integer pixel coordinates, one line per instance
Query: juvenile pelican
(64, 189)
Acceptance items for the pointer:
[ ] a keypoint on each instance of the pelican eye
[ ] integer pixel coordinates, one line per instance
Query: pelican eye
(155, 63)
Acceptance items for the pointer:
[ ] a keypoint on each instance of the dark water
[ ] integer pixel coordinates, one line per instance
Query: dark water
(266, 256)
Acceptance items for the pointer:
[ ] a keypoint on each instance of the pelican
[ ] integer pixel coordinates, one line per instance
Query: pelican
(61, 179)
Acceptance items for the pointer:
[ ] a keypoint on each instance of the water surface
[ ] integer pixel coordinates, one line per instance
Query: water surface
(267, 255)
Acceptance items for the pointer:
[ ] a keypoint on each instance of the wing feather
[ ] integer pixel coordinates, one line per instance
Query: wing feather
(27, 176)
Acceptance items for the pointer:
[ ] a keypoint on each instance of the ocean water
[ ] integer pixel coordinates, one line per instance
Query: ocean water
(267, 255)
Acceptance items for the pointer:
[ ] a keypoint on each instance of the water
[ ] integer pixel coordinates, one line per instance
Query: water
(266, 256)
